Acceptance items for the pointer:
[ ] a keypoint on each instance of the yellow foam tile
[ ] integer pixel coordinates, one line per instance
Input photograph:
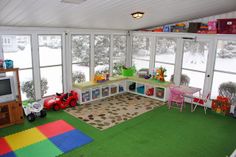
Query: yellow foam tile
(24, 138)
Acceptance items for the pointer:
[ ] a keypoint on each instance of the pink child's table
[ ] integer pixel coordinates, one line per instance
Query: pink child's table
(188, 91)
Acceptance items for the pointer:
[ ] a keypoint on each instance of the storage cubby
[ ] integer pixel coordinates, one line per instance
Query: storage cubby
(96, 93)
(113, 89)
(160, 92)
(140, 88)
(105, 91)
(149, 90)
(131, 86)
(85, 96)
(121, 86)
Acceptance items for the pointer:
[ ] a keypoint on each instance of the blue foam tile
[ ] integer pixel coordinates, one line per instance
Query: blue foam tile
(10, 154)
(70, 140)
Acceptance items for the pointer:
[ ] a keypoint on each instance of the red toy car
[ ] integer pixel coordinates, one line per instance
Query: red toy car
(61, 101)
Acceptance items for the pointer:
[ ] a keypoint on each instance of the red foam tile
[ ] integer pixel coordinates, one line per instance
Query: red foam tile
(4, 147)
(55, 128)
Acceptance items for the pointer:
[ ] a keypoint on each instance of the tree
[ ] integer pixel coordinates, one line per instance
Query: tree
(228, 89)
(81, 49)
(117, 69)
(102, 50)
(166, 45)
(28, 88)
(78, 77)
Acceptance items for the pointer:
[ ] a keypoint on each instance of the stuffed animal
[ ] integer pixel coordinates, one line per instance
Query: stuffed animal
(160, 74)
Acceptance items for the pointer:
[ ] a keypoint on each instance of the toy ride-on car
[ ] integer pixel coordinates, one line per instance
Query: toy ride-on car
(61, 101)
(33, 110)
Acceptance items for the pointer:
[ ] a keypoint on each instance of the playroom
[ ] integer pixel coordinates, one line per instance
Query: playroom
(117, 78)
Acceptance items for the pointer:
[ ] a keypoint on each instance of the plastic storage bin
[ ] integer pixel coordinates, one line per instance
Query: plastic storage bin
(140, 89)
(226, 26)
(128, 72)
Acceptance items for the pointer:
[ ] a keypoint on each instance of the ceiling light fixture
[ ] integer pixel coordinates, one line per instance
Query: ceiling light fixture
(73, 1)
(137, 15)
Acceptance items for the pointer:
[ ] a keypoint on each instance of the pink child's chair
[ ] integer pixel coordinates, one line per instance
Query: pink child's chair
(176, 96)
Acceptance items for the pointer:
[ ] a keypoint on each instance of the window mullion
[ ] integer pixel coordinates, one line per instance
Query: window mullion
(92, 67)
(111, 54)
(36, 66)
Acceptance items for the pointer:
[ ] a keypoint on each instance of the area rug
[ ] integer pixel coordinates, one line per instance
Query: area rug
(111, 111)
(48, 140)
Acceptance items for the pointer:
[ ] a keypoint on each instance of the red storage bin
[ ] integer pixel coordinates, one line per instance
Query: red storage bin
(226, 26)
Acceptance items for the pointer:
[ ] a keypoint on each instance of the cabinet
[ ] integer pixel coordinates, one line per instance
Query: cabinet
(154, 89)
(12, 112)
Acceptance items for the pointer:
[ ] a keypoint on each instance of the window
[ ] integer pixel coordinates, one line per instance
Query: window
(102, 53)
(225, 64)
(50, 54)
(195, 62)
(141, 52)
(165, 55)
(119, 53)
(18, 49)
(80, 58)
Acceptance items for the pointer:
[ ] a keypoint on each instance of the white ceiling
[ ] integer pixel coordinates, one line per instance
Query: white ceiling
(107, 14)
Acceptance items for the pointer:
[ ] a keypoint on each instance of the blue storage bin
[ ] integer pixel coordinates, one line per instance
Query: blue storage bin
(140, 90)
(8, 64)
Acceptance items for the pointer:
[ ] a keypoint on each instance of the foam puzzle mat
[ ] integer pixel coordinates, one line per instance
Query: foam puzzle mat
(48, 140)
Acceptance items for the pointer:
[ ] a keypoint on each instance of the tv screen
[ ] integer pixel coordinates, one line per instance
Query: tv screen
(5, 87)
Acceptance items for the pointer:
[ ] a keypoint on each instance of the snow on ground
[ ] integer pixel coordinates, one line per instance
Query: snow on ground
(226, 64)
(168, 58)
(22, 58)
(54, 78)
(195, 61)
(82, 69)
(50, 56)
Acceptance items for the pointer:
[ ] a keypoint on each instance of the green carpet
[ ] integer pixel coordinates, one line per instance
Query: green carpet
(160, 132)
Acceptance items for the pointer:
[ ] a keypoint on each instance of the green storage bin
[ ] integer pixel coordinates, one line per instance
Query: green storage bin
(128, 72)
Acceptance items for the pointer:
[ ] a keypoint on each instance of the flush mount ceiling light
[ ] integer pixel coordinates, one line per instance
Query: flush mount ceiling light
(73, 1)
(137, 15)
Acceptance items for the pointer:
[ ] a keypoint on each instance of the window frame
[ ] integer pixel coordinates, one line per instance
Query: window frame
(50, 66)
(31, 49)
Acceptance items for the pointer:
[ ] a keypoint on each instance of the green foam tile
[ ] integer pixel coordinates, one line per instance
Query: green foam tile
(41, 149)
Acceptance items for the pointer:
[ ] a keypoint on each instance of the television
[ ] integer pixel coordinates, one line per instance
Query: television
(7, 89)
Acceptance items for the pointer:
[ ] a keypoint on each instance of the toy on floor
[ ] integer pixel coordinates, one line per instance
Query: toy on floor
(33, 110)
(61, 101)
(160, 74)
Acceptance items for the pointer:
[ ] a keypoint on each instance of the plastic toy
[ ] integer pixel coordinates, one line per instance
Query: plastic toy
(61, 101)
(99, 78)
(148, 76)
(143, 72)
(8, 64)
(33, 110)
(160, 74)
(150, 92)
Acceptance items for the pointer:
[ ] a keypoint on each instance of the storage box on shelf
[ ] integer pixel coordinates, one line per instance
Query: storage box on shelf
(113, 89)
(91, 91)
(11, 112)
(96, 93)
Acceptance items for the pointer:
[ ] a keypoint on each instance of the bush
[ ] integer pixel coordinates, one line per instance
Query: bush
(183, 81)
(117, 69)
(78, 77)
(28, 88)
(228, 89)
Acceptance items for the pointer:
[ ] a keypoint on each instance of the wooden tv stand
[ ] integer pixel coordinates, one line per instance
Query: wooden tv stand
(11, 112)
